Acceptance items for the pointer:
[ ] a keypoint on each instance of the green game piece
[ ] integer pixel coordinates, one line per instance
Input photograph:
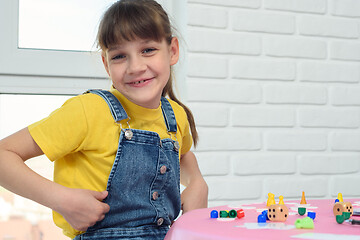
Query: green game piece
(301, 210)
(304, 223)
(346, 215)
(340, 219)
(224, 214)
(232, 213)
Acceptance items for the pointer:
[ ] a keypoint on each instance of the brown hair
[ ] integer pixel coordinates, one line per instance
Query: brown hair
(126, 20)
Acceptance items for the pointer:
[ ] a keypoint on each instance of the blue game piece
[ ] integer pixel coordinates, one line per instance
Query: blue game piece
(214, 214)
(261, 218)
(311, 215)
(337, 200)
(265, 212)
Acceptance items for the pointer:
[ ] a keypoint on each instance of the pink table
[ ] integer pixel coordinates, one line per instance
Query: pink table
(197, 224)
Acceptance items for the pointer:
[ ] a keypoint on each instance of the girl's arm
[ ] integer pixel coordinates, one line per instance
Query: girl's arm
(195, 195)
(81, 208)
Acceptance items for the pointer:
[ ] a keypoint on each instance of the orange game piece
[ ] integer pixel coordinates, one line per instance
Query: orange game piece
(303, 200)
(281, 200)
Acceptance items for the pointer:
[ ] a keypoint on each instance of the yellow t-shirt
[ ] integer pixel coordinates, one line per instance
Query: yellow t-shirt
(82, 138)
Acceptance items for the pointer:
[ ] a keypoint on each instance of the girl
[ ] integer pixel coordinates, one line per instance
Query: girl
(120, 154)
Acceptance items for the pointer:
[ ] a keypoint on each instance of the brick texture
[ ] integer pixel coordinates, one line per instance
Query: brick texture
(274, 88)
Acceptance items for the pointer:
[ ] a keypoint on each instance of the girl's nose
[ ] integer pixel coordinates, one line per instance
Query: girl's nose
(136, 65)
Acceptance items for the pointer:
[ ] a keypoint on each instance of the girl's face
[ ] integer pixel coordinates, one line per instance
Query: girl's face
(140, 69)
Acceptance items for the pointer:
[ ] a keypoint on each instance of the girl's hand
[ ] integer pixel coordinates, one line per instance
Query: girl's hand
(82, 208)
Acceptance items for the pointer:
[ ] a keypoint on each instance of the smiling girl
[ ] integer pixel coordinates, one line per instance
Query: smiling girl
(121, 154)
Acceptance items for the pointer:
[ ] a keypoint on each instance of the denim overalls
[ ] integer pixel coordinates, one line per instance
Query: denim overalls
(144, 183)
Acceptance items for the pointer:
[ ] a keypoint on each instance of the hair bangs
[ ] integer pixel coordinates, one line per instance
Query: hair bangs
(130, 22)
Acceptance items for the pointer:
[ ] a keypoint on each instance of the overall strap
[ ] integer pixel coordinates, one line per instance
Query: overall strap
(169, 115)
(117, 110)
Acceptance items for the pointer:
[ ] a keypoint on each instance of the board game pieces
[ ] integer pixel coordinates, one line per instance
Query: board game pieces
(214, 214)
(262, 218)
(306, 223)
(311, 215)
(271, 199)
(341, 207)
(278, 213)
(227, 214)
(281, 200)
(340, 197)
(303, 200)
(301, 210)
(240, 213)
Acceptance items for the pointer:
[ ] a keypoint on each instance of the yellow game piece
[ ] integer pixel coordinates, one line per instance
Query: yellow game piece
(340, 197)
(303, 200)
(281, 200)
(271, 199)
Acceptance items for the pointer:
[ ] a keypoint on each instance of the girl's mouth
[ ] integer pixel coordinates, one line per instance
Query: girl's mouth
(140, 83)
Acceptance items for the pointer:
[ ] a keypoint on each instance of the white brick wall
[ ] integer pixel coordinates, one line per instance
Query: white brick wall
(274, 87)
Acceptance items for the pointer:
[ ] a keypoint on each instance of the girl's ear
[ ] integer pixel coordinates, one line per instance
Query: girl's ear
(105, 62)
(174, 51)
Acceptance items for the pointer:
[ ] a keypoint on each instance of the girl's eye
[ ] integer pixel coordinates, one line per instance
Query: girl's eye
(116, 57)
(148, 50)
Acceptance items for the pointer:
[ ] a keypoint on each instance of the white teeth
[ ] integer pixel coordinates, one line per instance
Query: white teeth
(139, 82)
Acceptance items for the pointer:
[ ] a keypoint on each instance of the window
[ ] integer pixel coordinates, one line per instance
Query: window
(68, 71)
(21, 218)
(69, 25)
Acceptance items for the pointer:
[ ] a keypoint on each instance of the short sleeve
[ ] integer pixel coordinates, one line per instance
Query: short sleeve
(63, 131)
(186, 138)
(183, 127)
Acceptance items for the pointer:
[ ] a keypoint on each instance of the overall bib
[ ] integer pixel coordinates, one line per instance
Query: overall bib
(144, 182)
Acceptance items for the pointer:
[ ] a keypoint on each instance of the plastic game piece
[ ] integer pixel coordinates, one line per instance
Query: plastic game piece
(341, 207)
(336, 200)
(224, 214)
(281, 200)
(278, 213)
(265, 212)
(340, 197)
(227, 214)
(340, 219)
(232, 213)
(303, 200)
(261, 218)
(240, 213)
(306, 223)
(214, 214)
(301, 210)
(271, 199)
(311, 215)
(346, 215)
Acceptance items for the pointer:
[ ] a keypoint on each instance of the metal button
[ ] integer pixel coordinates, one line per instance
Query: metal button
(128, 134)
(176, 146)
(163, 169)
(155, 195)
(160, 221)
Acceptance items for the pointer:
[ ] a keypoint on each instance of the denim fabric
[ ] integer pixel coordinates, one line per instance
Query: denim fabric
(144, 183)
(140, 233)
